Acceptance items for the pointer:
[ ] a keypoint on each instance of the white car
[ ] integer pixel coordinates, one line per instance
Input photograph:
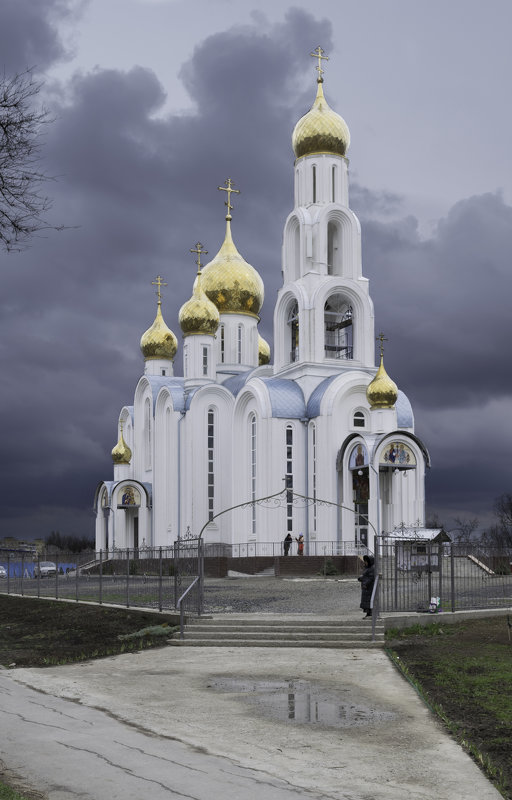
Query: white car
(44, 569)
(3, 571)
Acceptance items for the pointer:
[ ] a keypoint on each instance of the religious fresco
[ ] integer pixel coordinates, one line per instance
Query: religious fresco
(399, 455)
(128, 496)
(358, 457)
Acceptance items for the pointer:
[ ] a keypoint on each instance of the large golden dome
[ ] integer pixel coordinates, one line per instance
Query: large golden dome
(199, 315)
(321, 130)
(230, 282)
(382, 391)
(158, 341)
(121, 453)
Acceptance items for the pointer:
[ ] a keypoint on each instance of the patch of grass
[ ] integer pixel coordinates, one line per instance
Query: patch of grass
(463, 673)
(38, 633)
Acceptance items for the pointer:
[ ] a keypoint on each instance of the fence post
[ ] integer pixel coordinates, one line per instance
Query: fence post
(8, 573)
(101, 578)
(22, 573)
(452, 576)
(76, 578)
(176, 567)
(160, 581)
(128, 577)
(200, 572)
(429, 567)
(440, 557)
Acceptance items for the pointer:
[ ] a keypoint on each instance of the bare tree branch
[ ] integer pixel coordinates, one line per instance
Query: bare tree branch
(22, 204)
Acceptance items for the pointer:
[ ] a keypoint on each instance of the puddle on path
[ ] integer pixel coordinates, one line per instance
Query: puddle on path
(304, 703)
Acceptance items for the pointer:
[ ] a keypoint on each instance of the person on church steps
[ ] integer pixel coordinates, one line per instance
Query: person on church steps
(300, 545)
(287, 543)
(367, 579)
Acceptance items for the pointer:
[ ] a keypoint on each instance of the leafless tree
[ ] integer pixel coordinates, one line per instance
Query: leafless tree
(22, 119)
(465, 528)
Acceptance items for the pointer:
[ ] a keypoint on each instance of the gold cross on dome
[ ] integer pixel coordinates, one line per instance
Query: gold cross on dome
(199, 249)
(229, 189)
(381, 338)
(158, 282)
(319, 53)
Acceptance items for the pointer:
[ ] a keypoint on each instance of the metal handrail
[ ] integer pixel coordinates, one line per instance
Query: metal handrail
(180, 606)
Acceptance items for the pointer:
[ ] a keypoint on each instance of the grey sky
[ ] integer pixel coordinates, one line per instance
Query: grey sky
(156, 102)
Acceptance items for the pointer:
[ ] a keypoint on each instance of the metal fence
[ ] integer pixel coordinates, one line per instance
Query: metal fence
(149, 579)
(275, 549)
(454, 576)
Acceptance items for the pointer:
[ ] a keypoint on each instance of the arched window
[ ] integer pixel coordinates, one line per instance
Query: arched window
(338, 341)
(333, 185)
(289, 478)
(333, 249)
(293, 324)
(314, 183)
(252, 434)
(147, 433)
(359, 420)
(211, 469)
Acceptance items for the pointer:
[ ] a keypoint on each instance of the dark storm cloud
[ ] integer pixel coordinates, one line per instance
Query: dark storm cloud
(444, 301)
(28, 33)
(137, 191)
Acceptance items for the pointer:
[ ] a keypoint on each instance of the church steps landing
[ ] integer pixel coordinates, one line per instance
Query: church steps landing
(280, 633)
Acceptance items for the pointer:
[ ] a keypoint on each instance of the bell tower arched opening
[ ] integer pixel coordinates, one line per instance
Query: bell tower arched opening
(338, 328)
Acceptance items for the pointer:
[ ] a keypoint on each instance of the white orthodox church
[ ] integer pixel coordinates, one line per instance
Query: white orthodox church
(321, 422)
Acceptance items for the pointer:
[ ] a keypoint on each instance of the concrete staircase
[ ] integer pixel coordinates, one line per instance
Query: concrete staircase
(255, 631)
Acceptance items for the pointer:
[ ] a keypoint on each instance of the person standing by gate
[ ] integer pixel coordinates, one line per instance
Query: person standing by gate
(367, 579)
(300, 545)
(287, 543)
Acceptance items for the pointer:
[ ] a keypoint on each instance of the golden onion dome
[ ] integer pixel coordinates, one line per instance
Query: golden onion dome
(199, 315)
(121, 453)
(158, 341)
(382, 391)
(321, 130)
(230, 282)
(263, 351)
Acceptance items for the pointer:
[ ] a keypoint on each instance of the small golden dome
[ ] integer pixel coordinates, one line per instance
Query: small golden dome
(382, 391)
(230, 282)
(321, 130)
(263, 351)
(121, 453)
(199, 314)
(158, 341)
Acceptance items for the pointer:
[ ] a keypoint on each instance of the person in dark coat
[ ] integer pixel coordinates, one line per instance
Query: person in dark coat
(367, 579)
(287, 543)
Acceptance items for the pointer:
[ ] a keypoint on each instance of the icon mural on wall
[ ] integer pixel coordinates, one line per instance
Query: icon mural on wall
(129, 496)
(358, 457)
(399, 455)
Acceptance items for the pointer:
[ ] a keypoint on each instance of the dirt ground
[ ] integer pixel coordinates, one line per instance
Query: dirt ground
(465, 670)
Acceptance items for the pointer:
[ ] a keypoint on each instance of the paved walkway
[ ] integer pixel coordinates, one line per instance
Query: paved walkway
(219, 723)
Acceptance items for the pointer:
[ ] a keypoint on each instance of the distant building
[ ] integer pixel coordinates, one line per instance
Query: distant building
(322, 420)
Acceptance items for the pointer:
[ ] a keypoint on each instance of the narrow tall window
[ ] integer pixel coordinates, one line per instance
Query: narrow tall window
(289, 478)
(293, 323)
(205, 361)
(222, 344)
(333, 179)
(314, 184)
(211, 474)
(252, 423)
(338, 341)
(239, 344)
(333, 253)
